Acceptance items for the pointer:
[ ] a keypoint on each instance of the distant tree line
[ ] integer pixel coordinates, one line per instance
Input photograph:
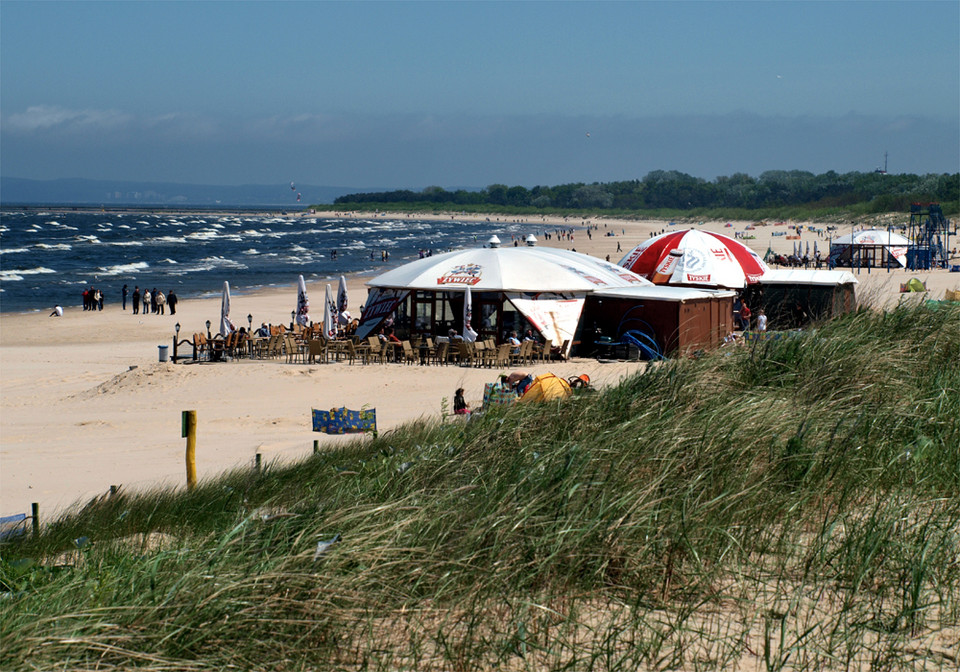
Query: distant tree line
(670, 189)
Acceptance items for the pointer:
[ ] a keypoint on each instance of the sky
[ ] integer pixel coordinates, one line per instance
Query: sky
(468, 94)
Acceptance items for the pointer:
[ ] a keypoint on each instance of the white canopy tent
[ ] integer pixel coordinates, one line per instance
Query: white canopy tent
(546, 285)
(875, 248)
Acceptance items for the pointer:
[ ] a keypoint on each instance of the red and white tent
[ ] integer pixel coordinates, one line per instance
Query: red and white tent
(695, 257)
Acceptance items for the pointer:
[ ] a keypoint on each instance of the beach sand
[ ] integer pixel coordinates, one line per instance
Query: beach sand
(85, 404)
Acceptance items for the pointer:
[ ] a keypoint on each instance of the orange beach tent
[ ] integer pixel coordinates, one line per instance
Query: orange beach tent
(546, 387)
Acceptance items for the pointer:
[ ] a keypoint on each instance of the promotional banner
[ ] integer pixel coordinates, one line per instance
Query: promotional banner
(556, 319)
(380, 304)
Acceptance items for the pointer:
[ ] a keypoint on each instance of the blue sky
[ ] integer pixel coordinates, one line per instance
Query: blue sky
(385, 95)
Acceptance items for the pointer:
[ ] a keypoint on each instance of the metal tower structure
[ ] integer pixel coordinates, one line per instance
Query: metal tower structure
(929, 236)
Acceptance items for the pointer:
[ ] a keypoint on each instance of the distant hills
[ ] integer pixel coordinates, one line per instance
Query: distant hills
(15, 190)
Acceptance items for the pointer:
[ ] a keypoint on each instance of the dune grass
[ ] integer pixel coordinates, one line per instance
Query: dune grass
(794, 505)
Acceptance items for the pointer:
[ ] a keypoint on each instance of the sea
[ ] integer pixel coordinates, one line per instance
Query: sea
(49, 256)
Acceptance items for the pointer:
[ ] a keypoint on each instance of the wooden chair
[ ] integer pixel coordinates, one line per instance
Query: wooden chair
(295, 351)
(409, 354)
(316, 351)
(502, 359)
(479, 350)
(545, 349)
(361, 352)
(465, 353)
(561, 352)
(522, 354)
(440, 354)
(200, 346)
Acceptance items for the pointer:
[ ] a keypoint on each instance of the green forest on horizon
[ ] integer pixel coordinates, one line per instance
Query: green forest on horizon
(668, 191)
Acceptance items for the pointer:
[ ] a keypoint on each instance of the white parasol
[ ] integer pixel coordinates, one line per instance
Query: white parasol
(329, 310)
(342, 315)
(303, 305)
(226, 326)
(468, 333)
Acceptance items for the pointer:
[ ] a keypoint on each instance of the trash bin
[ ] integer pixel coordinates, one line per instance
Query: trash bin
(163, 352)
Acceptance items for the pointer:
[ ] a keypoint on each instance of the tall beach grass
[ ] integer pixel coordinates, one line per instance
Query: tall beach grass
(793, 505)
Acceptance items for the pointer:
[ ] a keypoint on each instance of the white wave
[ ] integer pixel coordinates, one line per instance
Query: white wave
(203, 235)
(140, 222)
(58, 246)
(252, 250)
(17, 274)
(131, 243)
(127, 226)
(168, 239)
(15, 250)
(120, 269)
(209, 264)
(168, 261)
(88, 239)
(253, 233)
(53, 222)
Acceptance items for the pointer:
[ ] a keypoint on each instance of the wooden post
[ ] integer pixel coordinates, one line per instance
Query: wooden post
(258, 463)
(189, 431)
(35, 511)
(316, 446)
(175, 348)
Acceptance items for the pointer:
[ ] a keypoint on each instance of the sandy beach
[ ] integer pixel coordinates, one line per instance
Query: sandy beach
(85, 403)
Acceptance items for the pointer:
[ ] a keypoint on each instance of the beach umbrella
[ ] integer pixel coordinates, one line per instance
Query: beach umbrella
(226, 326)
(695, 257)
(808, 248)
(468, 333)
(342, 314)
(329, 310)
(303, 305)
(815, 250)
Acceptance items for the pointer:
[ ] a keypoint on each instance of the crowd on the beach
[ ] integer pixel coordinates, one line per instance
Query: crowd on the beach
(152, 301)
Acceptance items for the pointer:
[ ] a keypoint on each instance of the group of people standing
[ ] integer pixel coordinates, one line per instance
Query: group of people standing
(152, 301)
(92, 299)
(742, 316)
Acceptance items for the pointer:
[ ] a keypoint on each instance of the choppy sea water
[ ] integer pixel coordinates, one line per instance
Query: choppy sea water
(50, 257)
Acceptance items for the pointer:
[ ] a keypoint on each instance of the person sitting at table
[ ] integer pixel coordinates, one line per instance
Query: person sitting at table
(263, 331)
(392, 337)
(514, 341)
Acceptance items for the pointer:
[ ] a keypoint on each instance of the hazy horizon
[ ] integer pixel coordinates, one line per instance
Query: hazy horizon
(408, 95)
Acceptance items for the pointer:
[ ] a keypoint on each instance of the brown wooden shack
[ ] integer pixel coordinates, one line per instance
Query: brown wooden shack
(679, 320)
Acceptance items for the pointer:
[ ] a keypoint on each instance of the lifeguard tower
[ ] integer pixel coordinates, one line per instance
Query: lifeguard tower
(929, 236)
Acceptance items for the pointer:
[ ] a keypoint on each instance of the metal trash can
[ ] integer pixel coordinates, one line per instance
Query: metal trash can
(163, 352)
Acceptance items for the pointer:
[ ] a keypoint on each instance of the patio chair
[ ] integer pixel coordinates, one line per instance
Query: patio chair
(316, 350)
(409, 354)
(295, 351)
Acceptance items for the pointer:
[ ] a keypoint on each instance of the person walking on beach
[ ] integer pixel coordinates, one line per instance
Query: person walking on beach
(99, 299)
(136, 300)
(172, 302)
(124, 293)
(161, 302)
(153, 300)
(147, 301)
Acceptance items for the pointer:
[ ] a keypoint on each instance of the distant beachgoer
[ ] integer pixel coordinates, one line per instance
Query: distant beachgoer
(147, 301)
(124, 293)
(99, 299)
(172, 302)
(761, 320)
(136, 300)
(460, 406)
(57, 312)
(161, 302)
(153, 300)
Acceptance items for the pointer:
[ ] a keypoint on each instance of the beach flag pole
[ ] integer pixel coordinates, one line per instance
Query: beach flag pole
(189, 431)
